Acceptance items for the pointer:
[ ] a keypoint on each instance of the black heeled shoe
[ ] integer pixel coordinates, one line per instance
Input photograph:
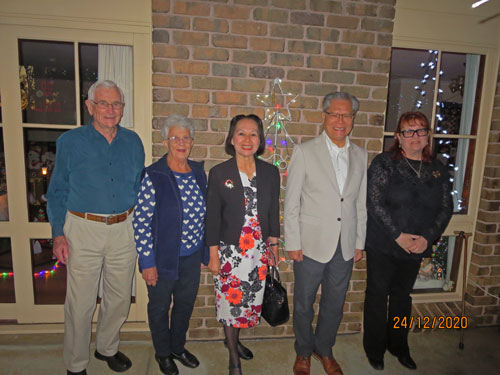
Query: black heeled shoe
(235, 367)
(243, 351)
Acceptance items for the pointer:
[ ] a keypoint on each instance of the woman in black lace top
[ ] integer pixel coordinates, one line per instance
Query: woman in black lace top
(409, 206)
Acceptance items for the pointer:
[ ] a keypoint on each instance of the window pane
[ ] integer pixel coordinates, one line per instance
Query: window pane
(4, 204)
(7, 294)
(458, 154)
(49, 275)
(47, 78)
(435, 272)
(411, 84)
(40, 148)
(88, 62)
(461, 76)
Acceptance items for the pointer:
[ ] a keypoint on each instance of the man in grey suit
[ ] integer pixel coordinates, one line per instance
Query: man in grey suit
(325, 227)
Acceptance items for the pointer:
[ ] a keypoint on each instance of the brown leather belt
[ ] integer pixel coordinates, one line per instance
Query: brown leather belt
(111, 219)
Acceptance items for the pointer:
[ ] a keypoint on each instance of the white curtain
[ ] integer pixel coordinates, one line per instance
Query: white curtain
(115, 64)
(471, 75)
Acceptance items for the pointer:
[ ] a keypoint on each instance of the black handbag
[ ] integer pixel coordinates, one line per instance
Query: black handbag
(275, 305)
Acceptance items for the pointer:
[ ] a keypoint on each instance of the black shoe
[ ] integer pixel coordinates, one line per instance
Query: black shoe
(377, 364)
(83, 372)
(167, 365)
(407, 361)
(186, 358)
(243, 351)
(118, 362)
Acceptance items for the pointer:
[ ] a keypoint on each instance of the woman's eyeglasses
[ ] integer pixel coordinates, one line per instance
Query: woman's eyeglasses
(180, 139)
(408, 133)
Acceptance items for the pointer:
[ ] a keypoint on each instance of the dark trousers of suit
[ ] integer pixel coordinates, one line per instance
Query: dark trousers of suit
(333, 277)
(169, 335)
(387, 278)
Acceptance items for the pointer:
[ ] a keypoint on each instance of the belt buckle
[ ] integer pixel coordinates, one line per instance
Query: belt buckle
(107, 220)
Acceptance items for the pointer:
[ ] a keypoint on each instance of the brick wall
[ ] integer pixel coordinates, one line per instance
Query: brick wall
(485, 260)
(211, 58)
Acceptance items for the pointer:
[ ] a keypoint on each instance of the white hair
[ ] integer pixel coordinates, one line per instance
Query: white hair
(105, 84)
(180, 121)
(340, 95)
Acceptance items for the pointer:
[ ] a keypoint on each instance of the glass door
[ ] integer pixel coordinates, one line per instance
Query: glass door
(44, 81)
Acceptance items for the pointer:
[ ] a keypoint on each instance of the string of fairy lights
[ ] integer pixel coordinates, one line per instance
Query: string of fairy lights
(45, 273)
(429, 76)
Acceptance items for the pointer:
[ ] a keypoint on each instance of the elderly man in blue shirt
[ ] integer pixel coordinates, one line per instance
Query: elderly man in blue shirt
(91, 199)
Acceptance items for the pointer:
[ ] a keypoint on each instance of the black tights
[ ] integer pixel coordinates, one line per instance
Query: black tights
(232, 338)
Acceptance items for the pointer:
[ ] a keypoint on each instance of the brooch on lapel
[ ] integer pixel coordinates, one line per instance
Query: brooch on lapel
(229, 184)
(436, 174)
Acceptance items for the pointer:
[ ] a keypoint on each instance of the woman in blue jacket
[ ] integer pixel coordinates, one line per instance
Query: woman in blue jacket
(170, 238)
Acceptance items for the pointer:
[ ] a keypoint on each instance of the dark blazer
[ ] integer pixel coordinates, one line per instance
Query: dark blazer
(226, 206)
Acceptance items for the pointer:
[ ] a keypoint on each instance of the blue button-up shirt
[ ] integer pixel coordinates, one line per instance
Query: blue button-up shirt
(92, 175)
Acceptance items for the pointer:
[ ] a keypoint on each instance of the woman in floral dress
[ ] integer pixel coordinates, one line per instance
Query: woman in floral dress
(242, 223)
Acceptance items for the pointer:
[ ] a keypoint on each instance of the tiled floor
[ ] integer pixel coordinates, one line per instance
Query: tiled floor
(436, 353)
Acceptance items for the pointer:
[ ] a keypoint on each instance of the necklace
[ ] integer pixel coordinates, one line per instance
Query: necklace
(413, 169)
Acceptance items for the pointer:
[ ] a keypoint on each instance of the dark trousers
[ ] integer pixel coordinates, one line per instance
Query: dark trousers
(387, 278)
(334, 278)
(169, 335)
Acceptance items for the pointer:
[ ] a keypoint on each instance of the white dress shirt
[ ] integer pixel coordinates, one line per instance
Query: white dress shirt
(340, 160)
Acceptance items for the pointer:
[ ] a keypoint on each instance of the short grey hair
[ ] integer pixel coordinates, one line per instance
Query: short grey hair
(180, 121)
(107, 84)
(340, 95)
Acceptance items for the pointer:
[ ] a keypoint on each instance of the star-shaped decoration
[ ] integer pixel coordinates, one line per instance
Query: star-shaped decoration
(277, 103)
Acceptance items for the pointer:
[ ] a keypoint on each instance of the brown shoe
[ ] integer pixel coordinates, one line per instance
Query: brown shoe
(329, 364)
(302, 366)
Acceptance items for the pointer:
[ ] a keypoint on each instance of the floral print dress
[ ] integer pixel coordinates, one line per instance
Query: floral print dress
(239, 287)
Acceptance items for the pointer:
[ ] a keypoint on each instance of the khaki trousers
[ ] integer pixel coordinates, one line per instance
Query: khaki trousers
(94, 247)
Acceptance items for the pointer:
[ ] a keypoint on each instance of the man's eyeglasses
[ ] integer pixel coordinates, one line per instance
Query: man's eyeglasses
(340, 116)
(175, 139)
(102, 104)
(408, 133)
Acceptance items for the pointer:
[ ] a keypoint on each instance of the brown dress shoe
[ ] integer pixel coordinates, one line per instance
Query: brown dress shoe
(302, 366)
(329, 364)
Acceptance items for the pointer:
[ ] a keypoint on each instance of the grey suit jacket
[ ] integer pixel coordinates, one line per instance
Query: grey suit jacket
(316, 212)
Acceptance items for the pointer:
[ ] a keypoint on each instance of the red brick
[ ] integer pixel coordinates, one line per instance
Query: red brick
(163, 50)
(287, 59)
(191, 8)
(267, 44)
(170, 22)
(191, 67)
(289, 4)
(166, 109)
(304, 47)
(207, 53)
(249, 28)
(208, 24)
(190, 38)
(160, 5)
(359, 37)
(342, 22)
(322, 62)
(270, 15)
(209, 111)
(190, 96)
(231, 12)
(249, 57)
(229, 41)
(211, 83)
(248, 85)
(170, 80)
(229, 98)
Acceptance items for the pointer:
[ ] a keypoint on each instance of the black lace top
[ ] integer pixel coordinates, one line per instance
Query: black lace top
(400, 201)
